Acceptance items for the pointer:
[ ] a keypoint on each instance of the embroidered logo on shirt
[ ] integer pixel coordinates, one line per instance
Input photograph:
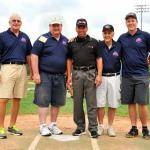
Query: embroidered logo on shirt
(23, 40)
(42, 39)
(138, 40)
(115, 53)
(64, 42)
(90, 46)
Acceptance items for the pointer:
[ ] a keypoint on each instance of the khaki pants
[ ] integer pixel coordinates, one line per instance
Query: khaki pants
(13, 80)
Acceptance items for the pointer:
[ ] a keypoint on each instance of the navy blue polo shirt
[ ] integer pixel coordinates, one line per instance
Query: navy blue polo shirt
(111, 57)
(52, 53)
(135, 49)
(14, 48)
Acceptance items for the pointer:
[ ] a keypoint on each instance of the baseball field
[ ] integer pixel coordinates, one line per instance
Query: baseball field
(31, 139)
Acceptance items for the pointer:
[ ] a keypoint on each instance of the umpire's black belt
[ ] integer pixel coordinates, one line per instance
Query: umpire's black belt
(110, 74)
(15, 62)
(84, 68)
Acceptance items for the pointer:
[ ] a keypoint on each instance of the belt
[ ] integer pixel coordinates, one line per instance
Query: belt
(84, 68)
(16, 62)
(57, 74)
(54, 73)
(110, 74)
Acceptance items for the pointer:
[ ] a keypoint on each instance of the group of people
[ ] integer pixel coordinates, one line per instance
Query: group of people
(103, 72)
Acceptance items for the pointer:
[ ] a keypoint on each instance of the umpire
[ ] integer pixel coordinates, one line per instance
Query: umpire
(85, 58)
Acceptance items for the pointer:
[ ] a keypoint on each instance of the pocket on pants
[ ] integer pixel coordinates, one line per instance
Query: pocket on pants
(0, 75)
(75, 75)
(92, 75)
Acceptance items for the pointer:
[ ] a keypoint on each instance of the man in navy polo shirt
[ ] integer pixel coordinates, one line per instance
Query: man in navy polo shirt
(15, 47)
(48, 59)
(135, 82)
(109, 90)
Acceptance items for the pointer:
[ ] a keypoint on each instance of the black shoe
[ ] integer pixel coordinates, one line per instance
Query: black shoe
(132, 133)
(78, 132)
(93, 134)
(146, 134)
(15, 131)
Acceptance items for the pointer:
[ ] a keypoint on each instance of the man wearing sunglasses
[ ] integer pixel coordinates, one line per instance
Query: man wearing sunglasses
(15, 47)
(48, 59)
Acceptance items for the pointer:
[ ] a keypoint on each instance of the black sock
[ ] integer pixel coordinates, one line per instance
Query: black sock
(144, 127)
(134, 127)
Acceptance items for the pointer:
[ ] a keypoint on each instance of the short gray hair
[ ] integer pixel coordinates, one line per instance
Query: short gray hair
(14, 15)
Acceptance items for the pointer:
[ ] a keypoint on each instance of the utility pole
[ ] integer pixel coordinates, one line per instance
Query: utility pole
(142, 9)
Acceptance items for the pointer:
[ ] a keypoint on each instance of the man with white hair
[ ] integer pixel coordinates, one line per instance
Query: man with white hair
(15, 49)
(48, 59)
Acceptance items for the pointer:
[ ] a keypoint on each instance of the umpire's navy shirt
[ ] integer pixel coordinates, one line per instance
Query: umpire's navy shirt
(135, 49)
(14, 48)
(111, 57)
(52, 53)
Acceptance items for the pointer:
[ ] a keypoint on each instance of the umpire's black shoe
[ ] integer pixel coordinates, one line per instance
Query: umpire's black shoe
(93, 134)
(146, 134)
(132, 133)
(78, 132)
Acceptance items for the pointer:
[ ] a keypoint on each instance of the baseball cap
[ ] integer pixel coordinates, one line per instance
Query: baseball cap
(81, 22)
(56, 20)
(131, 15)
(108, 27)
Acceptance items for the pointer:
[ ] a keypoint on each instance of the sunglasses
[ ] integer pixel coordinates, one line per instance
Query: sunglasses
(18, 21)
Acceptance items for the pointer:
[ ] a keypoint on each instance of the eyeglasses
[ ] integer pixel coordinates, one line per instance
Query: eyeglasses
(18, 21)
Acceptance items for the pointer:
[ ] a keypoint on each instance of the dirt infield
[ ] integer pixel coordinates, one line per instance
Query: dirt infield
(32, 140)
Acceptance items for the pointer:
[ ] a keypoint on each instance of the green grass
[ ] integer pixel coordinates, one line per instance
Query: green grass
(27, 106)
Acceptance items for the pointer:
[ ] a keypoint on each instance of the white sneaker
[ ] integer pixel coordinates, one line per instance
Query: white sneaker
(100, 130)
(54, 129)
(111, 132)
(44, 131)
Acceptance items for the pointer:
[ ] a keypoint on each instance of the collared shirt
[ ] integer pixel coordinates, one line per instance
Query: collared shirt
(84, 51)
(52, 53)
(111, 57)
(14, 48)
(135, 50)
